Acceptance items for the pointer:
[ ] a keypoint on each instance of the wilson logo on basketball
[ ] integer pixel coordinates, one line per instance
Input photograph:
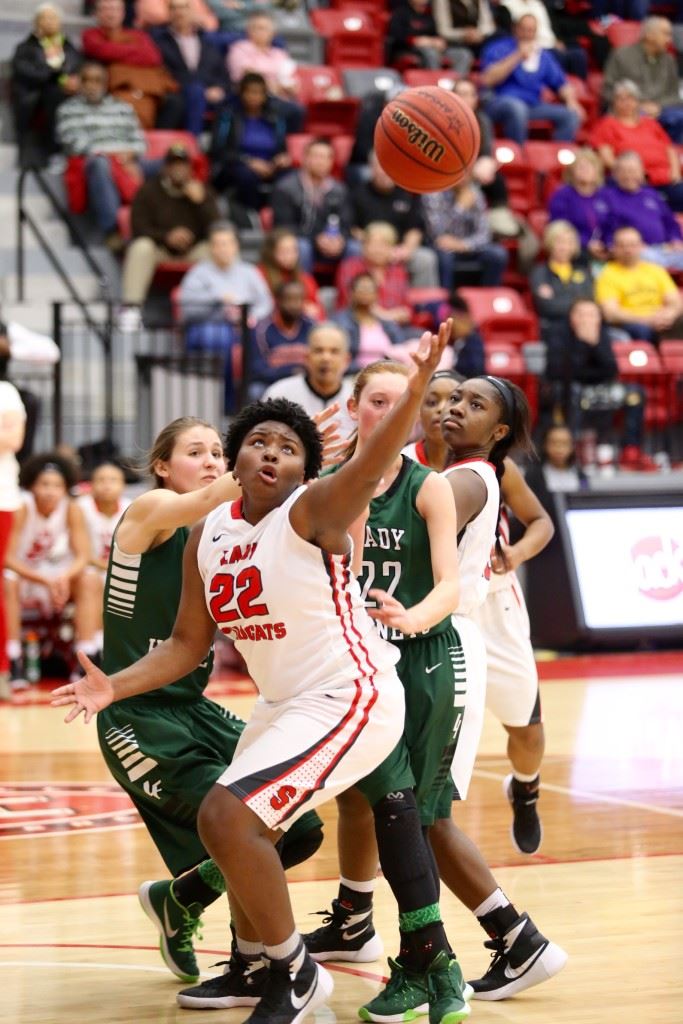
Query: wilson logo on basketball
(432, 149)
(658, 564)
(283, 796)
(29, 810)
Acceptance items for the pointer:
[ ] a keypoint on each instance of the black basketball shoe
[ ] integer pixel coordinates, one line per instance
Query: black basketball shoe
(242, 983)
(292, 991)
(521, 959)
(345, 934)
(526, 830)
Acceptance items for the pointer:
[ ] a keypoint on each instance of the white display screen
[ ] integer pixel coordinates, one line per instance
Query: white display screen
(629, 564)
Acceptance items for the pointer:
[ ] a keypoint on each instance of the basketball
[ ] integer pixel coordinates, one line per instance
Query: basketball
(427, 139)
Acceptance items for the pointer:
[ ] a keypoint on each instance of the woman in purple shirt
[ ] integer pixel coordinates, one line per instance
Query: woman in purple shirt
(582, 203)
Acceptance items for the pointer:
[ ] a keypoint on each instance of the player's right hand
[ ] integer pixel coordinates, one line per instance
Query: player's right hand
(89, 695)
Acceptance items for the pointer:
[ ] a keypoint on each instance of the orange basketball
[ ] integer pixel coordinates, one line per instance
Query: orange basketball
(427, 139)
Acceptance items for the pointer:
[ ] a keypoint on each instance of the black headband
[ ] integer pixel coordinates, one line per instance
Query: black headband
(505, 392)
(451, 374)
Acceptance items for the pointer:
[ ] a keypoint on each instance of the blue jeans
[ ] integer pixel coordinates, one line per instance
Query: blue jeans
(671, 120)
(215, 338)
(103, 195)
(513, 116)
(308, 254)
(489, 262)
(196, 106)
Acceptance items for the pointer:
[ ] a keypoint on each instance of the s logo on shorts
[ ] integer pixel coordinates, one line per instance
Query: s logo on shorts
(282, 797)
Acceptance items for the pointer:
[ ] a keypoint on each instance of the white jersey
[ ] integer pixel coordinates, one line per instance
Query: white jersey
(416, 452)
(474, 546)
(100, 527)
(44, 540)
(293, 610)
(502, 580)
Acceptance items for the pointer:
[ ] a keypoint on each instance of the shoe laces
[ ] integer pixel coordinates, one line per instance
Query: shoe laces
(498, 954)
(336, 916)
(440, 984)
(398, 977)
(191, 927)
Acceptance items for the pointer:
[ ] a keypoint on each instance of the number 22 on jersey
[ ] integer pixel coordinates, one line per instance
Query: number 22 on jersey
(236, 596)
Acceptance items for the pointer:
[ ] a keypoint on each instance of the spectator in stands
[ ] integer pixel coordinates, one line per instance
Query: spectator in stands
(211, 294)
(638, 297)
(170, 221)
(370, 336)
(573, 59)
(257, 53)
(653, 68)
(631, 203)
(583, 371)
(580, 201)
(315, 205)
(249, 148)
(106, 133)
(457, 224)
(136, 72)
(195, 64)
(149, 13)
(557, 284)
(518, 69)
(391, 277)
(12, 429)
(47, 552)
(626, 130)
(44, 73)
(281, 339)
(485, 172)
(558, 469)
(412, 32)
(380, 199)
(465, 350)
(232, 15)
(279, 263)
(323, 382)
(464, 23)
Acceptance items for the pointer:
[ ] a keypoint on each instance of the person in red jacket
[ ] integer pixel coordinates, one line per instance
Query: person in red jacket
(136, 68)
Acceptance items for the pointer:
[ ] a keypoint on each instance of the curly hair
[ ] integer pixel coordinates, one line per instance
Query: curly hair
(52, 462)
(282, 411)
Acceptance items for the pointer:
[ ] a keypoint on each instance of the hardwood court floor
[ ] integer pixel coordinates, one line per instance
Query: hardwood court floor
(608, 886)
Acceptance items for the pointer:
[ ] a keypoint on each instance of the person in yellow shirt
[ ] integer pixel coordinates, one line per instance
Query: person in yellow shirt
(638, 297)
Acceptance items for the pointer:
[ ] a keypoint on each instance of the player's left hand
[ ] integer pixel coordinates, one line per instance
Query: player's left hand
(391, 612)
(89, 695)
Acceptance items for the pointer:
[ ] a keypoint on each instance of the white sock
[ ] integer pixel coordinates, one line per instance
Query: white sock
(493, 902)
(368, 886)
(284, 950)
(13, 649)
(524, 778)
(88, 647)
(99, 639)
(249, 950)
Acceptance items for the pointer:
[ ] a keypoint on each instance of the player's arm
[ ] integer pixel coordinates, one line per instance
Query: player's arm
(330, 505)
(469, 492)
(22, 569)
(162, 511)
(184, 650)
(526, 507)
(436, 505)
(79, 540)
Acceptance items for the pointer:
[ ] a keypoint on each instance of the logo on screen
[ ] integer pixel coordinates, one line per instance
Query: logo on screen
(658, 563)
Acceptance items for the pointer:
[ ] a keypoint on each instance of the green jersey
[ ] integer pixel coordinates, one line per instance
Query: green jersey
(396, 555)
(141, 598)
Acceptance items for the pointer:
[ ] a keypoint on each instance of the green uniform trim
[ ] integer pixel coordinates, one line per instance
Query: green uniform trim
(210, 874)
(413, 920)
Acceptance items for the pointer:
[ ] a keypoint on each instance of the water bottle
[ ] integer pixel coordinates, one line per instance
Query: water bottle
(32, 658)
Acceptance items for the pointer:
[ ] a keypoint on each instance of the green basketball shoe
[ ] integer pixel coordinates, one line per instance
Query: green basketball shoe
(408, 996)
(447, 1003)
(177, 925)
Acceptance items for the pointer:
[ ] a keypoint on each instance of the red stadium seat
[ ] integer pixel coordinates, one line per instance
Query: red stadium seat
(328, 110)
(370, 7)
(500, 315)
(671, 357)
(639, 363)
(587, 98)
(356, 49)
(329, 22)
(508, 361)
(341, 144)
(538, 221)
(415, 77)
(520, 177)
(549, 160)
(623, 33)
